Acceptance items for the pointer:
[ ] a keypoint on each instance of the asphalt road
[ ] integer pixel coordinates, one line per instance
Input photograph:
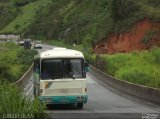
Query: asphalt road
(103, 103)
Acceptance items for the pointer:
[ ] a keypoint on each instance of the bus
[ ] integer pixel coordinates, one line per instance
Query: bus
(60, 77)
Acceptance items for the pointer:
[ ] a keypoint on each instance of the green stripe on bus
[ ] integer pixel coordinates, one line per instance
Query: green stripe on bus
(64, 99)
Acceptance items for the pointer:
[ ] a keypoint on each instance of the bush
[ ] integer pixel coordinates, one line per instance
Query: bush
(140, 68)
(156, 55)
(5, 72)
(138, 75)
(115, 62)
(154, 3)
(122, 9)
(149, 35)
(14, 61)
(135, 75)
(26, 56)
(12, 101)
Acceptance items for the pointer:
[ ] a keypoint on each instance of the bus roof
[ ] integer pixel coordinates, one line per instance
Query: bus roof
(59, 53)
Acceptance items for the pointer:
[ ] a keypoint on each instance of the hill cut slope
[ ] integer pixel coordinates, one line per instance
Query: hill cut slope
(142, 36)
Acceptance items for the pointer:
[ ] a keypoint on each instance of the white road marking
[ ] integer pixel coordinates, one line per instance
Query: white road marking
(90, 80)
(29, 90)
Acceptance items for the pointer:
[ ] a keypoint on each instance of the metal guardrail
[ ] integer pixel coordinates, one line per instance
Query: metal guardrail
(24, 79)
(143, 92)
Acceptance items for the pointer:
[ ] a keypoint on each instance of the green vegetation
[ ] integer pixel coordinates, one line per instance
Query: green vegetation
(140, 68)
(150, 34)
(7, 13)
(25, 18)
(13, 102)
(84, 21)
(14, 61)
(62, 44)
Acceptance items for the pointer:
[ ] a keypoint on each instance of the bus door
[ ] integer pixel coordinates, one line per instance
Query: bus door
(36, 76)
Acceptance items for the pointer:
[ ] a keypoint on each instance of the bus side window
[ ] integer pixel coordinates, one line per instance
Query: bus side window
(37, 66)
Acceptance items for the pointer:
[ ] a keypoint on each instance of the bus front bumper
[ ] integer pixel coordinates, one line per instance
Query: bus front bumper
(64, 99)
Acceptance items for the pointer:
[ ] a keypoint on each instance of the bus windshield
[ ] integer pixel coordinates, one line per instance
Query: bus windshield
(62, 68)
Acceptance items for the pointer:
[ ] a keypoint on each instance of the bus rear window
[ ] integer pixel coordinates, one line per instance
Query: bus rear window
(51, 69)
(73, 68)
(62, 68)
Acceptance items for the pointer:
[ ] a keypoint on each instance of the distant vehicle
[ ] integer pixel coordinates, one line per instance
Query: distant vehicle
(8, 40)
(21, 43)
(27, 43)
(38, 44)
(60, 77)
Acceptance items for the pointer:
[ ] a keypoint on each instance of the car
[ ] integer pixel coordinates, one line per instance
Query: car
(38, 44)
(21, 43)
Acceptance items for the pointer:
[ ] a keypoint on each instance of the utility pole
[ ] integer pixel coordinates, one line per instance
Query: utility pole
(77, 33)
(77, 29)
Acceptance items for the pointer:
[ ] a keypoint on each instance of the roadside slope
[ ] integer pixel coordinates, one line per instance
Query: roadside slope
(142, 36)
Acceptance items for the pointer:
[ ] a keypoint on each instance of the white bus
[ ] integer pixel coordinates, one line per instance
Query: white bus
(60, 77)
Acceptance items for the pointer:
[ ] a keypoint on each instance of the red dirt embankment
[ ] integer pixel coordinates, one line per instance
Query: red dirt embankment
(131, 40)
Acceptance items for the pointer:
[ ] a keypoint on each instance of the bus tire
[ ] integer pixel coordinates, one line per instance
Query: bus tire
(79, 105)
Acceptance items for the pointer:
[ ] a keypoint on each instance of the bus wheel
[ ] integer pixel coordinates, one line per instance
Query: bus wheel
(79, 105)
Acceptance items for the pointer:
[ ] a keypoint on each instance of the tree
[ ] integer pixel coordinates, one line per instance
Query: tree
(122, 9)
(17, 27)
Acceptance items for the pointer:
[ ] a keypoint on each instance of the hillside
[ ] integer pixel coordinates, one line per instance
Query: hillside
(87, 22)
(144, 35)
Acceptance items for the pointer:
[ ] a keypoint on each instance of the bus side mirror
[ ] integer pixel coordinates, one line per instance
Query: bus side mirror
(86, 67)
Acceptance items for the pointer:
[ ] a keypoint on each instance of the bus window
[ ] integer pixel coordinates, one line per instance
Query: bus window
(51, 69)
(73, 68)
(36, 73)
(37, 66)
(62, 68)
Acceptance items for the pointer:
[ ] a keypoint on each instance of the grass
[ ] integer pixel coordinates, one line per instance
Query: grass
(12, 101)
(62, 44)
(14, 61)
(139, 68)
(26, 17)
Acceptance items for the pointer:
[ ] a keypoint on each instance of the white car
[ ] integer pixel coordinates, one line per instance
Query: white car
(21, 43)
(38, 44)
